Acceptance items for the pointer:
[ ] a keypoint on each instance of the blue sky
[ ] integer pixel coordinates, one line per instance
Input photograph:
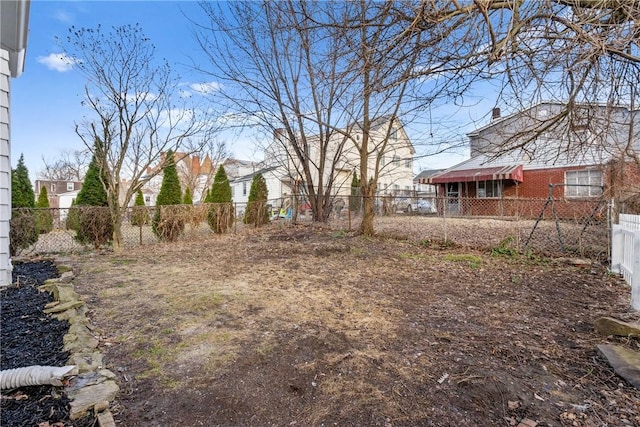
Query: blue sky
(45, 99)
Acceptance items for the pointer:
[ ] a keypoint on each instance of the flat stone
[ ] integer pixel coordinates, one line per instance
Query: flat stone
(610, 326)
(78, 328)
(66, 294)
(528, 423)
(105, 419)
(101, 406)
(54, 288)
(67, 277)
(64, 307)
(107, 374)
(87, 362)
(86, 398)
(63, 268)
(88, 379)
(625, 362)
(79, 343)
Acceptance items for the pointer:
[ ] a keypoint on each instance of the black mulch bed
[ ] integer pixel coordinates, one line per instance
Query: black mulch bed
(30, 337)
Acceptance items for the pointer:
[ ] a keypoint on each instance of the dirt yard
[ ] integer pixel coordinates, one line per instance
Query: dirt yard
(313, 327)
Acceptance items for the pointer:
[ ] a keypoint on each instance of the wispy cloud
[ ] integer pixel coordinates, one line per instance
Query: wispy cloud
(57, 61)
(206, 88)
(63, 16)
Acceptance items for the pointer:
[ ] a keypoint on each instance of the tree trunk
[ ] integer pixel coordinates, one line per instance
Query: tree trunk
(366, 226)
(116, 220)
(118, 243)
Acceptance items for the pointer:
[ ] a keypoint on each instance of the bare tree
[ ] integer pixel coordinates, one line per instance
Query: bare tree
(281, 72)
(136, 116)
(573, 52)
(70, 166)
(322, 77)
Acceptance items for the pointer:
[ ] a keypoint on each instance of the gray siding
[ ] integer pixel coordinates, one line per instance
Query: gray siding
(5, 170)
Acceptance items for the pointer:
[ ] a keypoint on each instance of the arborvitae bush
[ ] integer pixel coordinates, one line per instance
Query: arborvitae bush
(94, 223)
(257, 213)
(22, 195)
(139, 215)
(72, 222)
(168, 223)
(355, 201)
(221, 212)
(44, 216)
(23, 230)
(187, 199)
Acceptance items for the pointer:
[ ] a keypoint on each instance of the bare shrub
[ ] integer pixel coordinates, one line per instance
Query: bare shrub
(221, 216)
(94, 225)
(23, 230)
(169, 221)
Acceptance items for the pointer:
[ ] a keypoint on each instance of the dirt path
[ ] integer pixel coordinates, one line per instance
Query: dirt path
(310, 327)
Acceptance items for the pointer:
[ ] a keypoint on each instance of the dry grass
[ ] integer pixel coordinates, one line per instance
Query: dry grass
(309, 326)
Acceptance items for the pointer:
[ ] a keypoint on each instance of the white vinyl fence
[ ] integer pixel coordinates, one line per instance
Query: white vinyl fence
(625, 253)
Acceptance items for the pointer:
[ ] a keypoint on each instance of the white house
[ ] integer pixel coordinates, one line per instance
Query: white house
(14, 25)
(64, 202)
(388, 141)
(277, 188)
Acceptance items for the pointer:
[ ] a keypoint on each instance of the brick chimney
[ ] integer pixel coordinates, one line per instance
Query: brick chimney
(495, 113)
(195, 165)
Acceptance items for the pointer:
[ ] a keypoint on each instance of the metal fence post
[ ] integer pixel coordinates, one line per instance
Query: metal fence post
(617, 246)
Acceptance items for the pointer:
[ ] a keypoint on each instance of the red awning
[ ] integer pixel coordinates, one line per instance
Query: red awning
(512, 172)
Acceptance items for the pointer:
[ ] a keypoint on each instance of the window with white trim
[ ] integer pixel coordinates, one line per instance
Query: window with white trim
(489, 189)
(70, 186)
(583, 183)
(244, 188)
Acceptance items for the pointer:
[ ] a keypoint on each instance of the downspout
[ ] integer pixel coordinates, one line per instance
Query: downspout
(34, 375)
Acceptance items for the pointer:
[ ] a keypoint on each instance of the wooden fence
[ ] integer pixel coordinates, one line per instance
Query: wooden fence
(625, 253)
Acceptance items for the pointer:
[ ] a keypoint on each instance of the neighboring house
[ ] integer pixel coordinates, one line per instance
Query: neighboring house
(195, 173)
(277, 188)
(396, 162)
(14, 27)
(537, 158)
(422, 189)
(64, 201)
(56, 188)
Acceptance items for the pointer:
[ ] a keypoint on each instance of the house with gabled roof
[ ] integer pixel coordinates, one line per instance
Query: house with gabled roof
(396, 160)
(545, 151)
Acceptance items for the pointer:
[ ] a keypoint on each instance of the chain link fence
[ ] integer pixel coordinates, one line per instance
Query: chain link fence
(544, 227)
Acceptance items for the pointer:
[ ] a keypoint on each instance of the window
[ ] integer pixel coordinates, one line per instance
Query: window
(396, 159)
(382, 161)
(488, 189)
(70, 186)
(407, 163)
(147, 200)
(244, 188)
(358, 137)
(583, 183)
(53, 188)
(393, 136)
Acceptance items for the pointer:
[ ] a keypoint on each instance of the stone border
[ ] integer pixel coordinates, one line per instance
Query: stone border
(93, 387)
